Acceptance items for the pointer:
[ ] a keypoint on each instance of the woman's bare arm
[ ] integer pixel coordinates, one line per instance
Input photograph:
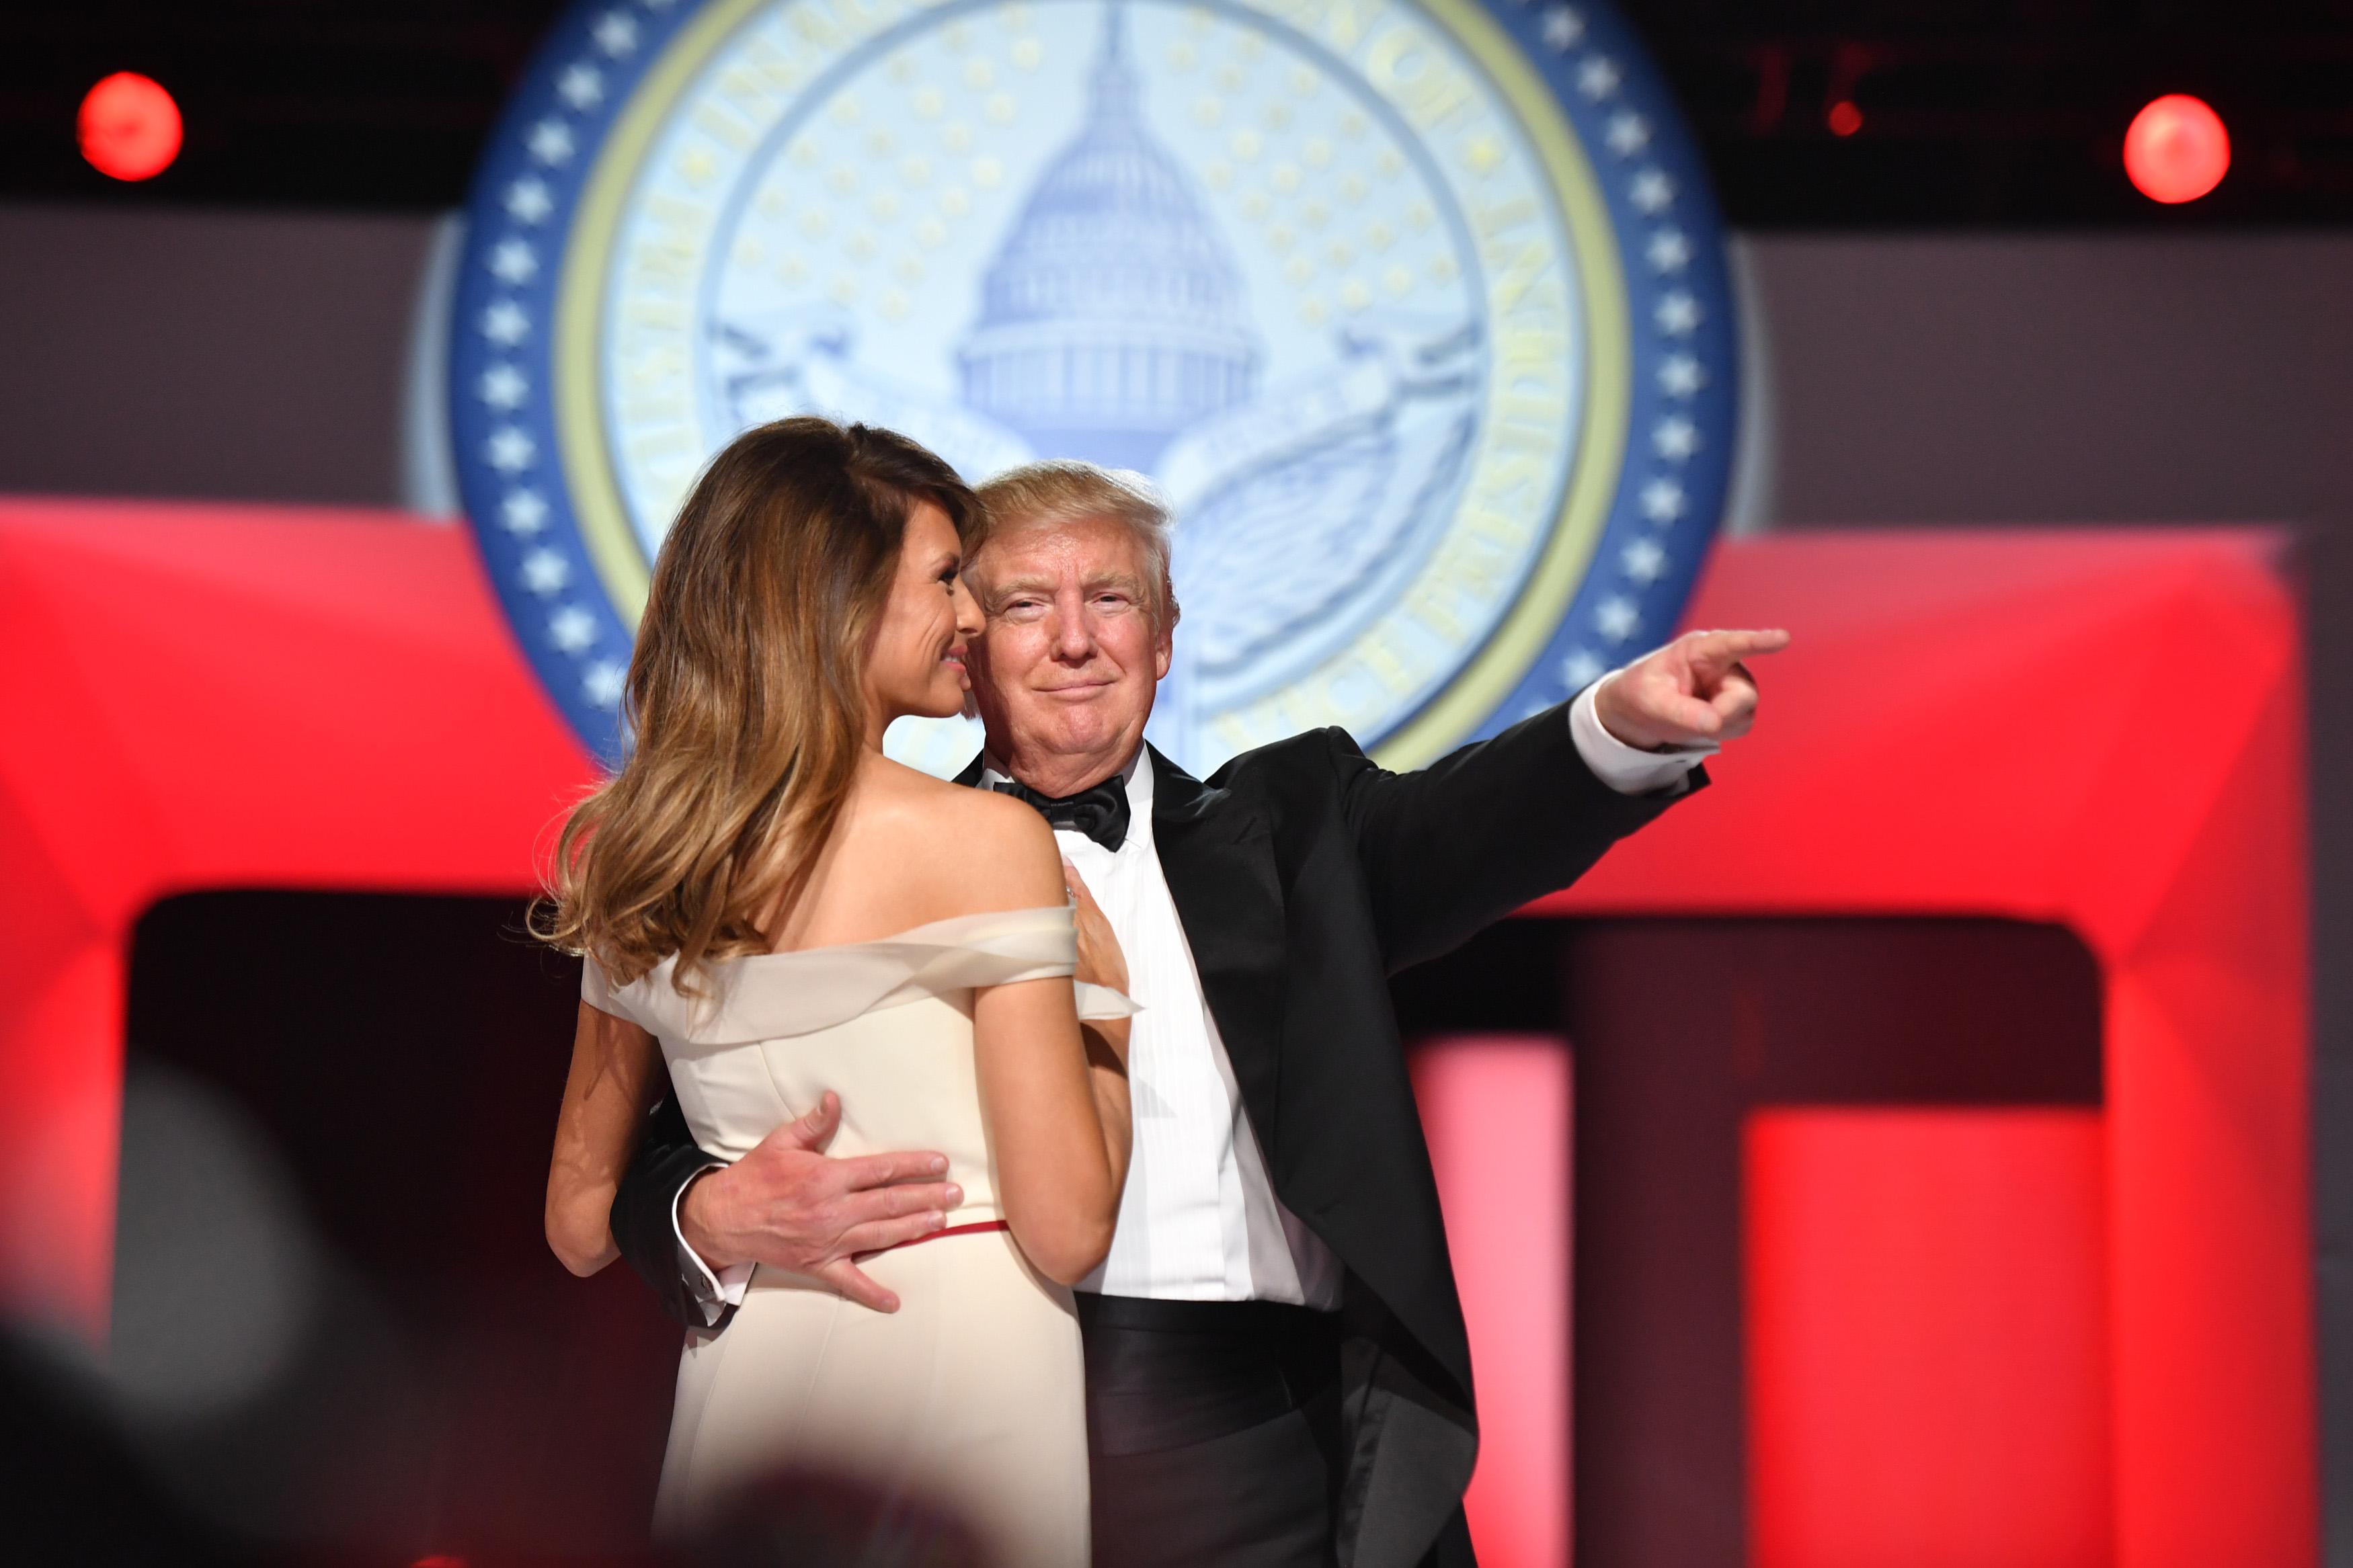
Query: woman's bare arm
(1057, 1172)
(614, 1067)
(1054, 1101)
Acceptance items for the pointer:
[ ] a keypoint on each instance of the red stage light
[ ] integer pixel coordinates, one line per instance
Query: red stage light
(2175, 149)
(1846, 118)
(129, 127)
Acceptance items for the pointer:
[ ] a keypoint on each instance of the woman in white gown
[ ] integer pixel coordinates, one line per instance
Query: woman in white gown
(768, 903)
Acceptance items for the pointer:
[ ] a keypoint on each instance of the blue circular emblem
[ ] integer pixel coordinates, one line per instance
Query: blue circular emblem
(1415, 310)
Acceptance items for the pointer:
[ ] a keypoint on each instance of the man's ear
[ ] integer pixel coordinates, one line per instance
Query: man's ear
(1164, 652)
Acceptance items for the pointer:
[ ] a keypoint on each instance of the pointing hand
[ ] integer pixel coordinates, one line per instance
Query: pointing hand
(1693, 691)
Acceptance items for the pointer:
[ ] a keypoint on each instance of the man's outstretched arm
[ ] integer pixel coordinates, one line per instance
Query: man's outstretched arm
(1452, 848)
(691, 1224)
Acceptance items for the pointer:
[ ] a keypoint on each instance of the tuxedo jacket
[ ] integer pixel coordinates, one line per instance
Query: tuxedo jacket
(1305, 876)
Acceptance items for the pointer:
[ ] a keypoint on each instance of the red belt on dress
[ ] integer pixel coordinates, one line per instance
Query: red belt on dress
(975, 1228)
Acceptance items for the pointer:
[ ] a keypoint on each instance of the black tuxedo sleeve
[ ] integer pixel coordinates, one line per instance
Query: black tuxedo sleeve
(667, 1159)
(1450, 848)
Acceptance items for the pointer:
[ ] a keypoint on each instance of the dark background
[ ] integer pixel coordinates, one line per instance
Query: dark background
(399, 1059)
(1973, 111)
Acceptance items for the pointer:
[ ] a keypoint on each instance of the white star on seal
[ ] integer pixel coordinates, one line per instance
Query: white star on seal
(551, 142)
(528, 201)
(572, 628)
(1628, 133)
(1651, 192)
(582, 87)
(523, 512)
(1562, 28)
(1580, 669)
(615, 34)
(509, 450)
(544, 572)
(1617, 619)
(1669, 251)
(1662, 500)
(1644, 561)
(1597, 78)
(601, 683)
(513, 261)
(1677, 313)
(503, 387)
(504, 323)
(1676, 438)
(1679, 375)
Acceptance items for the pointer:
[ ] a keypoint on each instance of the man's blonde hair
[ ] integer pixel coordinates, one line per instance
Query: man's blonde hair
(1063, 490)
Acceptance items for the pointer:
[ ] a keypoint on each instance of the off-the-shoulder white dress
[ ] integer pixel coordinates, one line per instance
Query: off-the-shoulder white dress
(970, 1395)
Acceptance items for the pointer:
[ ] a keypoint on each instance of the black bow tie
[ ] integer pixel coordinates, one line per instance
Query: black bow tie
(1100, 813)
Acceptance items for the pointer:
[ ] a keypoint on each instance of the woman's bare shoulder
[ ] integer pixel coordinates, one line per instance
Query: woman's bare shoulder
(986, 850)
(1006, 840)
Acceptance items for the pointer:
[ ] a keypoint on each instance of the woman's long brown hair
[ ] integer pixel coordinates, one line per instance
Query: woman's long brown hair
(743, 706)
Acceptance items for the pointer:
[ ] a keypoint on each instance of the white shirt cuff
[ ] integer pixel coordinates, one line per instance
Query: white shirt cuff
(711, 1291)
(1624, 768)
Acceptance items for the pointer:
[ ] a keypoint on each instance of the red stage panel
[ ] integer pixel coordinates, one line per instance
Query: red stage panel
(2100, 730)
(218, 697)
(1928, 1339)
(1496, 1110)
(2103, 730)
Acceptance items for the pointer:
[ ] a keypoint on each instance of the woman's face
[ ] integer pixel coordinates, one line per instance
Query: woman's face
(917, 663)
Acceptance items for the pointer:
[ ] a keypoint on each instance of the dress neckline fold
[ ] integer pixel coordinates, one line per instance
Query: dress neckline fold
(900, 938)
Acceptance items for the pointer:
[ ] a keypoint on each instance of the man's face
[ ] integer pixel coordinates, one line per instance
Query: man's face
(1065, 667)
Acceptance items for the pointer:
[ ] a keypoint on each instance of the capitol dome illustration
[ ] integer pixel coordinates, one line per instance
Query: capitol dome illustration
(1112, 319)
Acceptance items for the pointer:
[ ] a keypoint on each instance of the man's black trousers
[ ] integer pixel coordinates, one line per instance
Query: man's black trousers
(1212, 1432)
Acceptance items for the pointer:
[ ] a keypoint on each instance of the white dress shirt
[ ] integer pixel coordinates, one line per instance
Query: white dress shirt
(1198, 1220)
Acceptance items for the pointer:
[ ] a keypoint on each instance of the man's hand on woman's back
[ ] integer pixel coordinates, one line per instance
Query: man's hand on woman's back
(789, 1205)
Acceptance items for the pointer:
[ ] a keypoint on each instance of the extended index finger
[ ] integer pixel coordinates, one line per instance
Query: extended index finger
(862, 1170)
(1726, 648)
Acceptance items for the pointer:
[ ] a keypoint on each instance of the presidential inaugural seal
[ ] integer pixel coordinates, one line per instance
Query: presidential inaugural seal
(1415, 310)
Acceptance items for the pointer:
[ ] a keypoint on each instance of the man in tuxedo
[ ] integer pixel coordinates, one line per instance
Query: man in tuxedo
(1277, 1368)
